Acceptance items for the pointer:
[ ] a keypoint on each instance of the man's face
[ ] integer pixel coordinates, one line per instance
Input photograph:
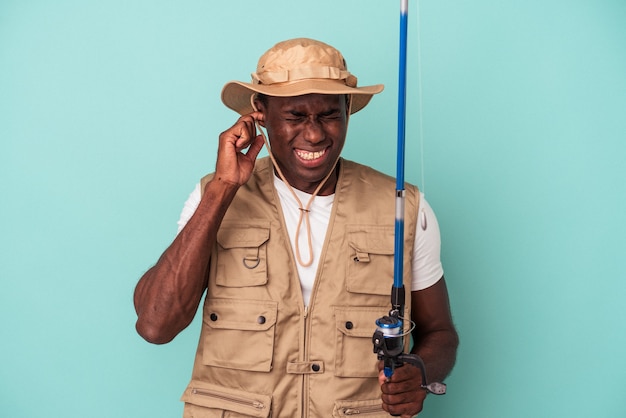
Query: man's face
(306, 134)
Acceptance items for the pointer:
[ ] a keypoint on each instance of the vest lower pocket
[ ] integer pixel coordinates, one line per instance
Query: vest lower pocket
(205, 400)
(355, 326)
(367, 409)
(239, 334)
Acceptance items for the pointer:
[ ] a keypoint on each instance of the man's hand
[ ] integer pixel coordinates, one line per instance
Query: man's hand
(233, 165)
(402, 394)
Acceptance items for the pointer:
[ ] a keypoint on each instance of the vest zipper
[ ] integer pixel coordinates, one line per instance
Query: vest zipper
(229, 398)
(362, 410)
(304, 399)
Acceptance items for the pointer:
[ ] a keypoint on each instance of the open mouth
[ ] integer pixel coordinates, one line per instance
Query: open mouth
(310, 155)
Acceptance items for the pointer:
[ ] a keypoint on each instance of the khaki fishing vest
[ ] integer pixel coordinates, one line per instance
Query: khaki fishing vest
(261, 353)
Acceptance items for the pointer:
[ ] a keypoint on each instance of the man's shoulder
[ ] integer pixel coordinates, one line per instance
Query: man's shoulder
(363, 168)
(363, 180)
(367, 172)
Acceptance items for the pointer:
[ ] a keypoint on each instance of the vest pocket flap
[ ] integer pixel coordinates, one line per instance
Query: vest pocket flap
(219, 398)
(371, 239)
(244, 315)
(243, 235)
(358, 321)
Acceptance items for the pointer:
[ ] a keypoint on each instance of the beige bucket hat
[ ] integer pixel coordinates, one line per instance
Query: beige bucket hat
(296, 67)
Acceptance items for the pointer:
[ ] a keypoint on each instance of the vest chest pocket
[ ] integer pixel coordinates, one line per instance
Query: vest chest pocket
(370, 263)
(354, 350)
(240, 334)
(242, 255)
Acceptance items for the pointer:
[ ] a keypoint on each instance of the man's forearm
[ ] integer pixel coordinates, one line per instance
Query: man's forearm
(435, 337)
(438, 351)
(167, 296)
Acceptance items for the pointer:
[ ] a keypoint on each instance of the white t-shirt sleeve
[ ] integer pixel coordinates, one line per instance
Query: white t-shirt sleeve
(190, 207)
(427, 268)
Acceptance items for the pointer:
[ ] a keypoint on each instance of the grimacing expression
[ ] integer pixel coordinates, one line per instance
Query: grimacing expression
(306, 135)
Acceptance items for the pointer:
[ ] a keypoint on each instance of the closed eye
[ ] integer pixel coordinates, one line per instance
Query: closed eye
(294, 116)
(331, 114)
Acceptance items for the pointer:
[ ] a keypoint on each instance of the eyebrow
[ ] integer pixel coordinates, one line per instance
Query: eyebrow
(331, 111)
(328, 112)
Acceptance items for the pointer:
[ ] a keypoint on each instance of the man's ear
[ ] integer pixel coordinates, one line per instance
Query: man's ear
(259, 106)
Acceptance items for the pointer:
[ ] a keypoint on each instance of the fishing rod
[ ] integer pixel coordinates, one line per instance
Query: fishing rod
(389, 336)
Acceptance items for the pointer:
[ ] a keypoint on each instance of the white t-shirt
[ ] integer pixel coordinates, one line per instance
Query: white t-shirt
(427, 268)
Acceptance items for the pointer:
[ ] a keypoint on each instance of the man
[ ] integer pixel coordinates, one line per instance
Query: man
(295, 253)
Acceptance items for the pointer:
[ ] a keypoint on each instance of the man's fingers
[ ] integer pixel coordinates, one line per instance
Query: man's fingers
(245, 130)
(255, 147)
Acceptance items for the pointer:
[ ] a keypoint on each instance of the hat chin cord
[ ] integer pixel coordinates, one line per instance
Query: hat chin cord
(304, 210)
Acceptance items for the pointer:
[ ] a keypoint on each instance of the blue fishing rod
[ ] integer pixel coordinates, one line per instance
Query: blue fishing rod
(389, 336)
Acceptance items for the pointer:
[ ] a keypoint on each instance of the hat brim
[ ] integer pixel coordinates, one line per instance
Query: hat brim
(236, 95)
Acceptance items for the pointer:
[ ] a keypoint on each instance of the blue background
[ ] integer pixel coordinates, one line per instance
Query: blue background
(109, 115)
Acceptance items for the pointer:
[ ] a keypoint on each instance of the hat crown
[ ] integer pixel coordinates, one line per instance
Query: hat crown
(301, 59)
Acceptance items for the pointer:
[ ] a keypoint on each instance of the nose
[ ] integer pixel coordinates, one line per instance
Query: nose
(313, 131)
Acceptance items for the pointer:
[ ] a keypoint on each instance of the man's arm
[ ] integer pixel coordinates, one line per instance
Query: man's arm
(435, 336)
(167, 296)
(435, 341)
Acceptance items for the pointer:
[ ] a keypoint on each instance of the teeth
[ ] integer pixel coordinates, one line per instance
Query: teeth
(306, 155)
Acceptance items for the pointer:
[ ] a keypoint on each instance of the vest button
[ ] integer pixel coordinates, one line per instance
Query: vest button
(315, 367)
(213, 317)
(349, 325)
(260, 319)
